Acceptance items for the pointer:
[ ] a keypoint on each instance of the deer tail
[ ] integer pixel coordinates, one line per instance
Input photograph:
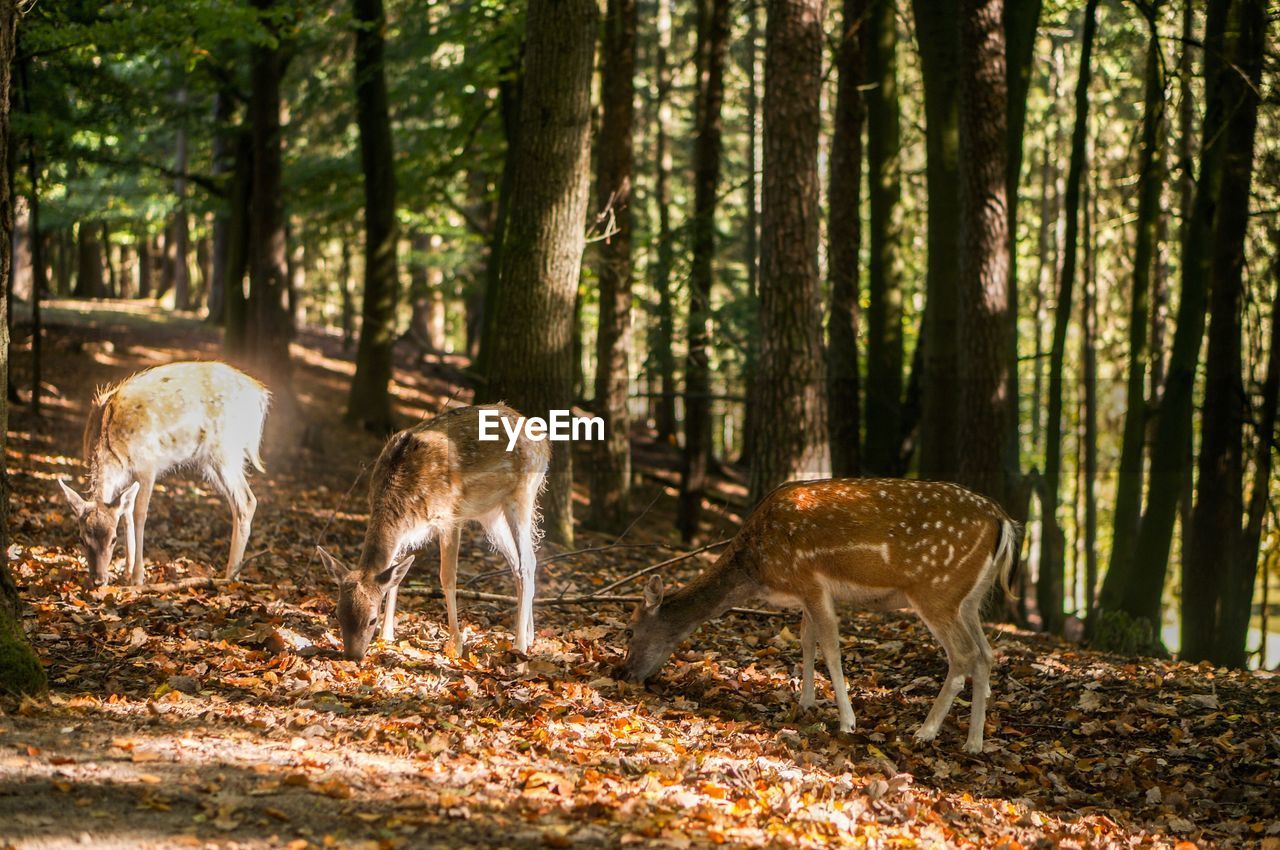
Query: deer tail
(255, 445)
(1006, 555)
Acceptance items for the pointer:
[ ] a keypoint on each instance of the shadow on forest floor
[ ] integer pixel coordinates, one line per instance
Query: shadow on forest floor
(222, 716)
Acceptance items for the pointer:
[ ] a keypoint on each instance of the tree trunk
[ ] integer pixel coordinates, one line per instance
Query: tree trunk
(1088, 462)
(1049, 590)
(1217, 589)
(983, 284)
(844, 235)
(180, 227)
(109, 288)
(89, 283)
(297, 270)
(20, 670)
(611, 473)
(542, 249)
(884, 185)
(267, 326)
(713, 42)
(370, 400)
(1128, 507)
(419, 332)
(510, 95)
(938, 38)
(239, 242)
(663, 341)
(751, 240)
(791, 439)
(348, 302)
(1170, 455)
(7, 42)
(224, 151)
(146, 263)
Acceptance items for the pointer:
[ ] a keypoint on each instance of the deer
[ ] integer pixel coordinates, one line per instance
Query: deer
(429, 481)
(882, 544)
(204, 415)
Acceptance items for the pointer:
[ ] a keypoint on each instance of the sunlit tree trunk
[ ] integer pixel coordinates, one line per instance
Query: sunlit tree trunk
(884, 278)
(370, 401)
(713, 41)
(240, 194)
(1049, 591)
(1128, 506)
(663, 340)
(791, 438)
(610, 477)
(542, 252)
(844, 234)
(180, 226)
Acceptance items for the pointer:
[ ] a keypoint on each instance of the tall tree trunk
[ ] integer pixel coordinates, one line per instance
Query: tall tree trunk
(791, 426)
(983, 286)
(662, 343)
(1170, 455)
(267, 326)
(109, 287)
(89, 283)
(296, 267)
(146, 263)
(1088, 461)
(1049, 590)
(1217, 589)
(224, 151)
(1021, 20)
(884, 184)
(713, 42)
(1128, 507)
(180, 227)
(20, 670)
(938, 40)
(370, 400)
(7, 42)
(751, 239)
(542, 249)
(344, 286)
(510, 96)
(419, 332)
(844, 235)
(239, 242)
(611, 473)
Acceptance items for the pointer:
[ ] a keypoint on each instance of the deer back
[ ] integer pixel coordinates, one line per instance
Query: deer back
(873, 540)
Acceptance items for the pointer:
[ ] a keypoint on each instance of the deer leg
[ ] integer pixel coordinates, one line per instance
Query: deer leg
(243, 506)
(450, 540)
(981, 672)
(137, 574)
(388, 632)
(823, 620)
(500, 534)
(520, 522)
(957, 642)
(808, 643)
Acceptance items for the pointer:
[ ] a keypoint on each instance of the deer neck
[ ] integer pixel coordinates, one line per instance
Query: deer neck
(380, 549)
(726, 584)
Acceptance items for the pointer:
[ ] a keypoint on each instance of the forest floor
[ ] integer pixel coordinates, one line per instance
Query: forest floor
(222, 716)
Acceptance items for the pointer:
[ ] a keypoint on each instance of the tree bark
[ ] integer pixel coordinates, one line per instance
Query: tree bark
(983, 285)
(938, 39)
(239, 242)
(713, 42)
(370, 401)
(348, 300)
(1217, 582)
(664, 340)
(20, 670)
(1049, 590)
(844, 235)
(223, 156)
(884, 284)
(1128, 506)
(542, 251)
(792, 439)
(89, 282)
(267, 326)
(1170, 455)
(610, 478)
(180, 227)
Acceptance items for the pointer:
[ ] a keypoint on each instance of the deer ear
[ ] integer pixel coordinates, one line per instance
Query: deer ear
(393, 575)
(653, 593)
(124, 502)
(333, 565)
(78, 505)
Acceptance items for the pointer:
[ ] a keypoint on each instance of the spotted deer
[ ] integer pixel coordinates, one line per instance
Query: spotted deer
(206, 415)
(429, 481)
(879, 543)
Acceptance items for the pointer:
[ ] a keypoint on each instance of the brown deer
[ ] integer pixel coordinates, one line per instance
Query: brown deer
(880, 543)
(429, 481)
(207, 416)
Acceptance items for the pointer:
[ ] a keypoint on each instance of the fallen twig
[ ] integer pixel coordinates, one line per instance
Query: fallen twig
(655, 567)
(552, 601)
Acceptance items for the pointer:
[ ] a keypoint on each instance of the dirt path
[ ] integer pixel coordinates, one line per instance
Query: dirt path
(223, 717)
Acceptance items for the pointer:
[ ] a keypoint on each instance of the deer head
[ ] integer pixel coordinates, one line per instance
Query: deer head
(360, 598)
(98, 521)
(651, 637)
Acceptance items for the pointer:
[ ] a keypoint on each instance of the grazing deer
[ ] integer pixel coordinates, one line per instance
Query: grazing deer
(428, 482)
(881, 543)
(204, 415)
